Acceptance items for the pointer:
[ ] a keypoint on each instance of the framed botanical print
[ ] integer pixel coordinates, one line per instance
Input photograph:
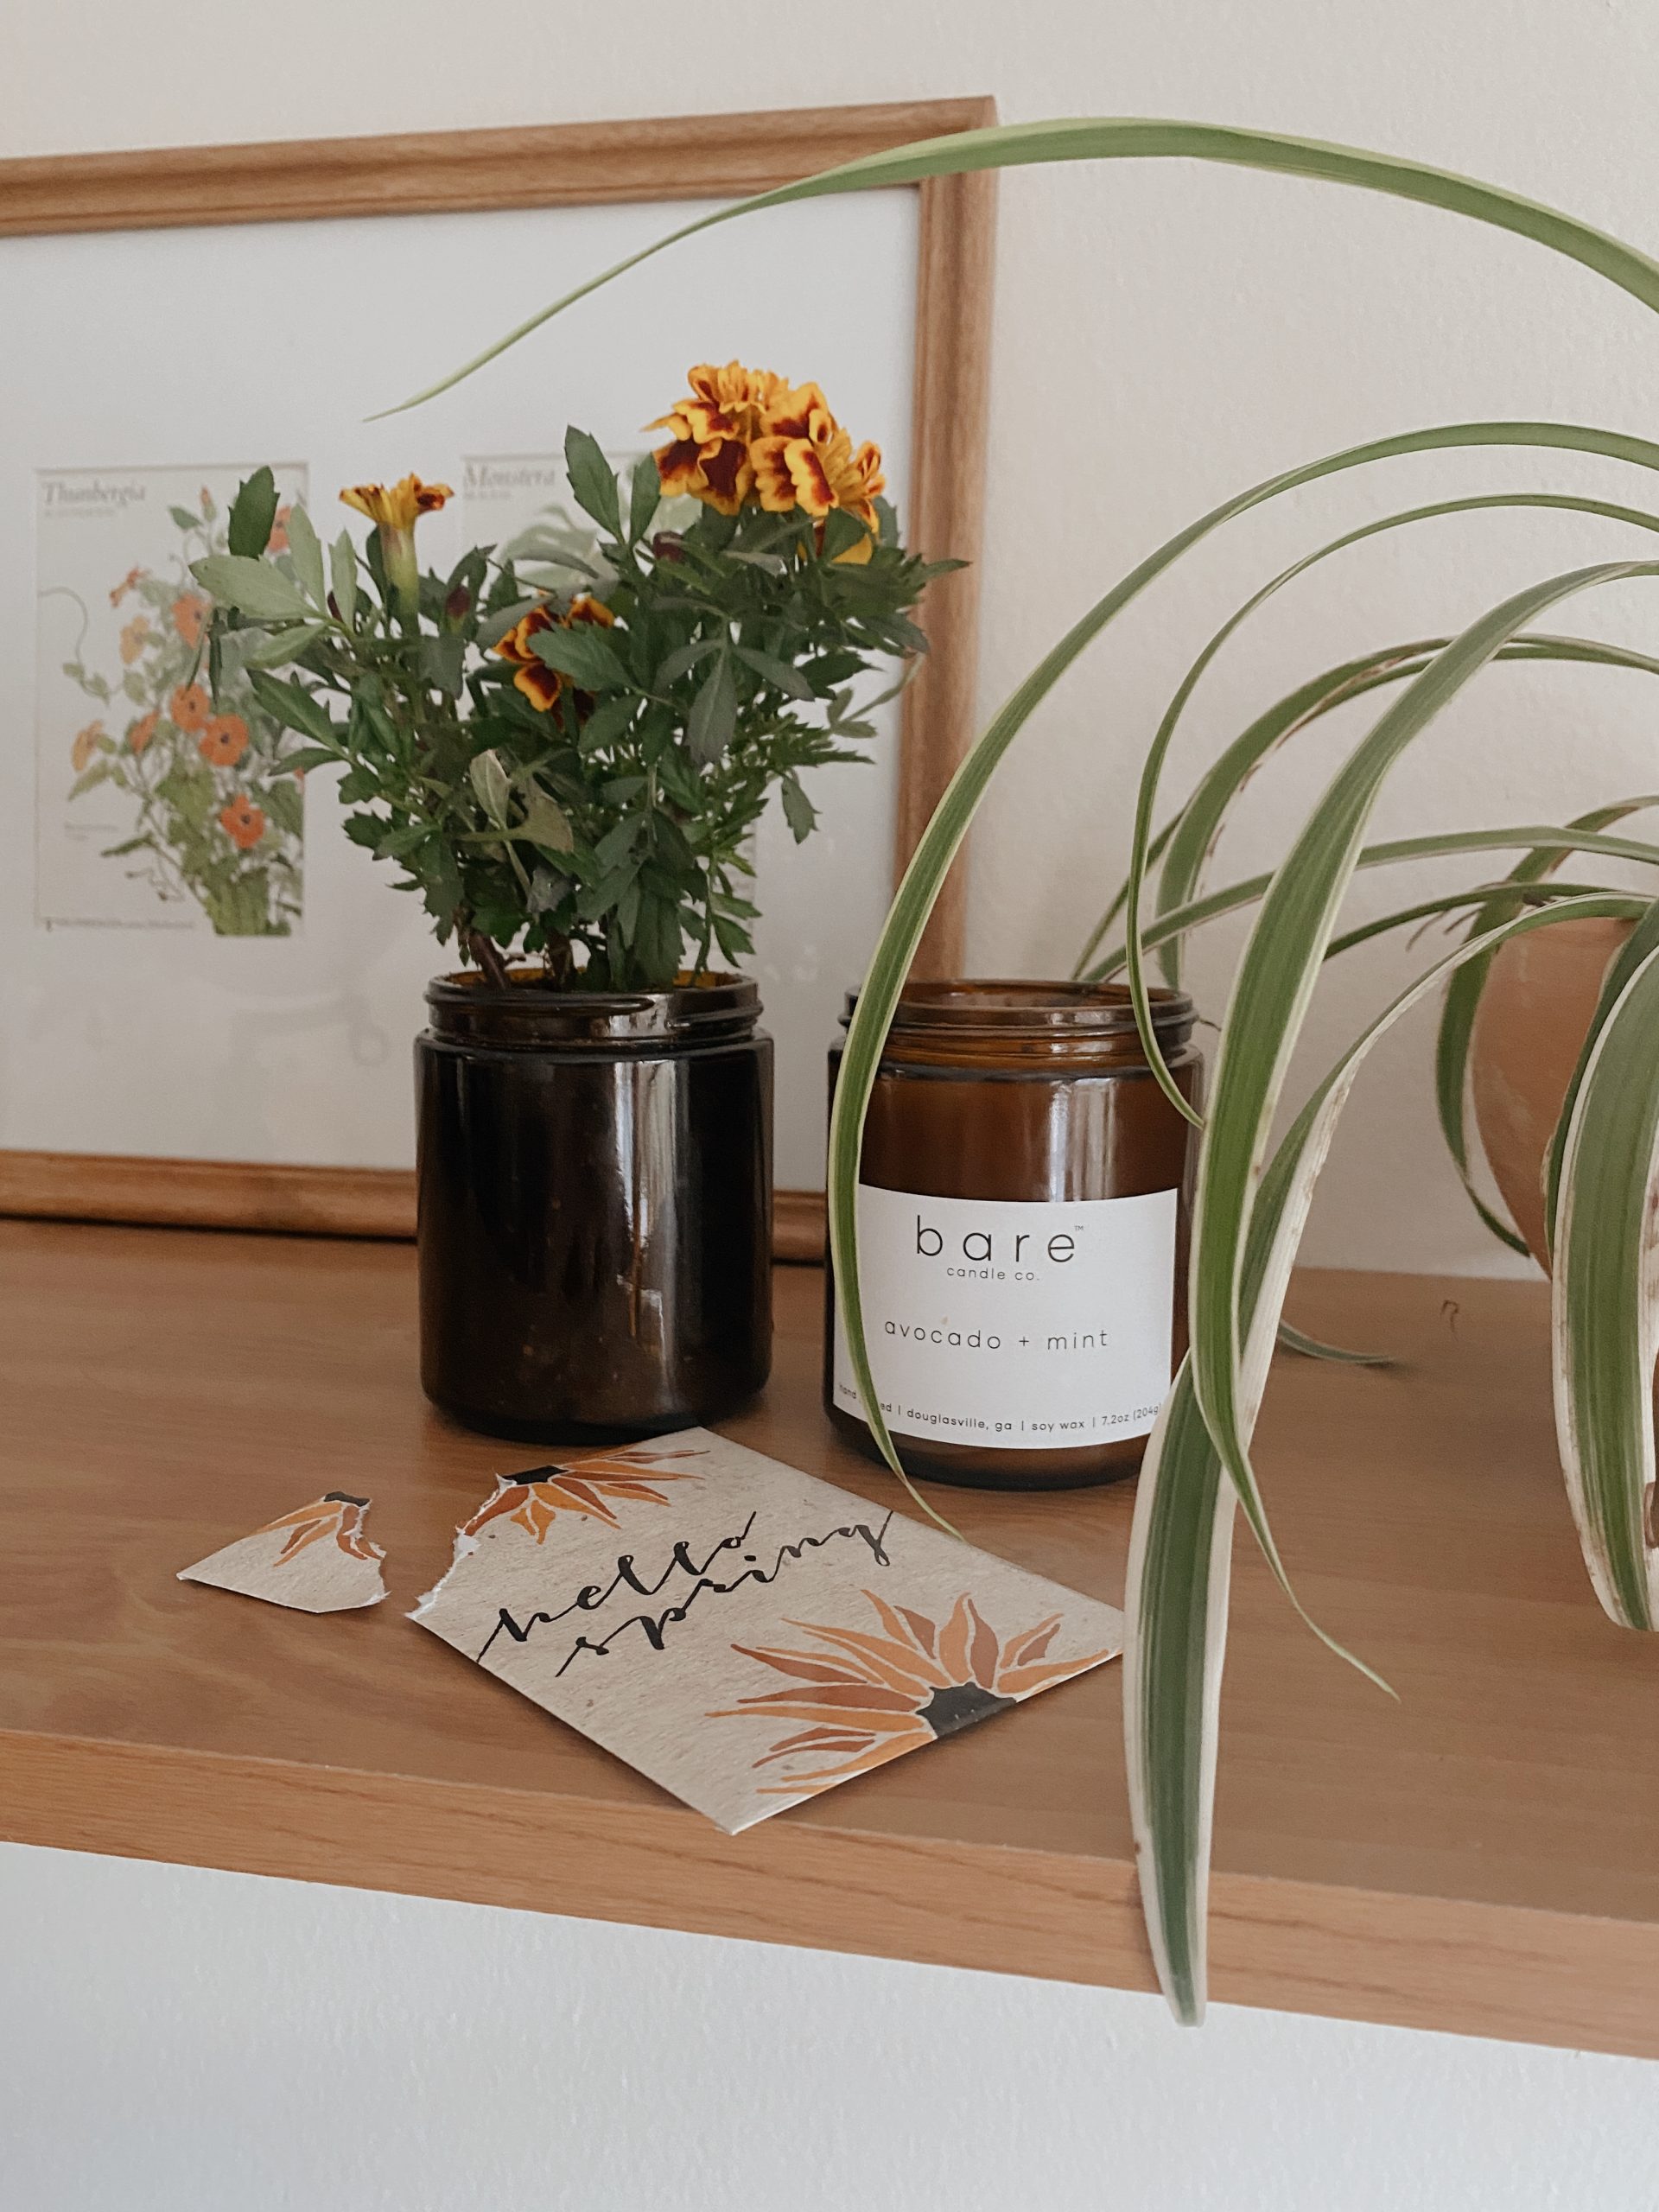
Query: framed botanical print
(208, 992)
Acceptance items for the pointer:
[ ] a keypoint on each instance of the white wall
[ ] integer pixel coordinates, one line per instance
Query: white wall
(181, 2042)
(1163, 337)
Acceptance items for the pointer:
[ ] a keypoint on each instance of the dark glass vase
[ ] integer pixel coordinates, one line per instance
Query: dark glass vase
(594, 1174)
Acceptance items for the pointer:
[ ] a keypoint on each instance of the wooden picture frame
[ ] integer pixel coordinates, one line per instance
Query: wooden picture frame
(563, 165)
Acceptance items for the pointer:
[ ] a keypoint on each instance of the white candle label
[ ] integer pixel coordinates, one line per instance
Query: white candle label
(1015, 1326)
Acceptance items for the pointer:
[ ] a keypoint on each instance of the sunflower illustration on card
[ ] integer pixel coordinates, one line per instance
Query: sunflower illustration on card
(744, 1635)
(315, 1560)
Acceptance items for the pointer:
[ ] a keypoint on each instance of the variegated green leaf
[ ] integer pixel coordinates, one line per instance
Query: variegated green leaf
(1269, 1002)
(1182, 1536)
(1605, 1299)
(1620, 971)
(1305, 1347)
(1188, 839)
(1457, 1027)
(1157, 753)
(941, 839)
(1540, 835)
(1101, 138)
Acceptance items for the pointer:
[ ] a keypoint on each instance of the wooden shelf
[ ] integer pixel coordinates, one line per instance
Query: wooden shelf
(1482, 1856)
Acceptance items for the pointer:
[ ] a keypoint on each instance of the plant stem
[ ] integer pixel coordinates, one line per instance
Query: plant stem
(487, 955)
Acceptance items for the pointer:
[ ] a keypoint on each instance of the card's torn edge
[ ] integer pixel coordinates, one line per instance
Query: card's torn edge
(348, 1531)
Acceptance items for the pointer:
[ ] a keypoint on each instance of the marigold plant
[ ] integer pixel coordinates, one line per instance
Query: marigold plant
(564, 756)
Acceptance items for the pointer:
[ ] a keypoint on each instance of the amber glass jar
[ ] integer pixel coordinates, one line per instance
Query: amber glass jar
(594, 1182)
(1023, 1215)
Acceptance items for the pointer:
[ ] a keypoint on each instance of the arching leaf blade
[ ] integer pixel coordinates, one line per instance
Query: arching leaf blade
(1620, 971)
(1157, 753)
(941, 839)
(1231, 897)
(1270, 1001)
(1180, 1536)
(1097, 138)
(1188, 839)
(1454, 1038)
(1605, 1299)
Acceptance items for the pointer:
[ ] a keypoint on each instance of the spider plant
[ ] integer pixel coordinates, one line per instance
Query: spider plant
(1251, 1201)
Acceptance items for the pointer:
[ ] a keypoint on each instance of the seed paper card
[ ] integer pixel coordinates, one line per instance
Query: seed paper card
(315, 1560)
(747, 1636)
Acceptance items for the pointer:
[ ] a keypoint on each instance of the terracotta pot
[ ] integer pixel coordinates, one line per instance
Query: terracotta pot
(1534, 1015)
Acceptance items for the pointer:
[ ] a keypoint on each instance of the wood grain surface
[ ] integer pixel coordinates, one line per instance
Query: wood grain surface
(433, 172)
(1480, 1856)
(151, 1193)
(949, 435)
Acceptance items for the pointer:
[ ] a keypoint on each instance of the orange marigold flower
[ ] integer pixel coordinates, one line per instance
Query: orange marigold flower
(132, 638)
(278, 542)
(190, 612)
(126, 584)
(818, 471)
(223, 741)
(140, 733)
(790, 415)
(394, 509)
(540, 685)
(189, 707)
(711, 431)
(395, 506)
(85, 745)
(243, 823)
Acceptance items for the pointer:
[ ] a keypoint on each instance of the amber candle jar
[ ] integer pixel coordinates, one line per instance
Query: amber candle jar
(1023, 1216)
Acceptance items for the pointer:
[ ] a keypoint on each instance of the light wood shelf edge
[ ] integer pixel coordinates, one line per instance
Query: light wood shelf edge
(1456, 1966)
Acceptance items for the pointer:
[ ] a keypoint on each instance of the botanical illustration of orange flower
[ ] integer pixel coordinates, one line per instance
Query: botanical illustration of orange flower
(711, 431)
(223, 741)
(243, 823)
(394, 506)
(541, 684)
(189, 707)
(168, 737)
(586, 1487)
(335, 1515)
(278, 542)
(867, 1699)
(190, 612)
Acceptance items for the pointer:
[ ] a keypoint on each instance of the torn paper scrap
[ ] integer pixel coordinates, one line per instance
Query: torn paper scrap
(315, 1560)
(743, 1634)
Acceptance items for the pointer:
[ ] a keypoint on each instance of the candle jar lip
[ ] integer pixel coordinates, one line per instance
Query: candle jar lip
(959, 1008)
